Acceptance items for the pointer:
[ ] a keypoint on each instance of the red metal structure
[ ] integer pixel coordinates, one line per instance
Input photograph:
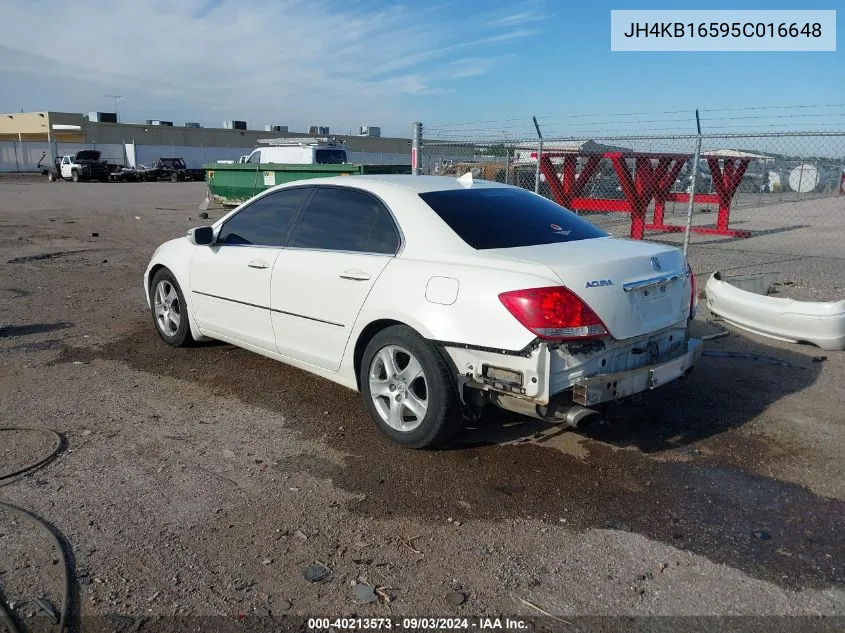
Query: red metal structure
(652, 179)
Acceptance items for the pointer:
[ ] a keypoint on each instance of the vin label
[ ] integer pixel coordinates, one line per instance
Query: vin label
(723, 30)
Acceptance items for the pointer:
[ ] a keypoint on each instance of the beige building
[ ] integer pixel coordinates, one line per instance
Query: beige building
(70, 127)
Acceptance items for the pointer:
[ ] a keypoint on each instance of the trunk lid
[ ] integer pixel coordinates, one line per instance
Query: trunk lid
(634, 287)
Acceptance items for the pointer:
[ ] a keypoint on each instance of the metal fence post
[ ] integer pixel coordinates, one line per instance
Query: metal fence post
(416, 148)
(507, 165)
(840, 185)
(800, 179)
(539, 155)
(693, 183)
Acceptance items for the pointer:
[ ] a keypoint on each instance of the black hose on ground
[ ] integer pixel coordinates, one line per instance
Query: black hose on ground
(34, 520)
(5, 616)
(57, 446)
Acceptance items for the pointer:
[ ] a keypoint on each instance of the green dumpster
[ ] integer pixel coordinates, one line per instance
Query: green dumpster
(231, 184)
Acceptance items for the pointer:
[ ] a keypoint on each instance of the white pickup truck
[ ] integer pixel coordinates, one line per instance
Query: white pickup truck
(82, 166)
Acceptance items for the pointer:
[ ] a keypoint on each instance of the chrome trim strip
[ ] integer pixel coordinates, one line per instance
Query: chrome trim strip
(651, 281)
(302, 316)
(253, 305)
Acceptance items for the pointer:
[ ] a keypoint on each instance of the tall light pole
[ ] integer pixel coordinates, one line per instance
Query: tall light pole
(115, 98)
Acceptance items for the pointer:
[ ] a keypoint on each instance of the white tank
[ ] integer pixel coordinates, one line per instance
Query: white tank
(807, 177)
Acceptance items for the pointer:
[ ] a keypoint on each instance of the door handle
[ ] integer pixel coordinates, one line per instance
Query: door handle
(258, 263)
(355, 275)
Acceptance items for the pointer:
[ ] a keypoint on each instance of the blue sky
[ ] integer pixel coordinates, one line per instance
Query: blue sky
(352, 62)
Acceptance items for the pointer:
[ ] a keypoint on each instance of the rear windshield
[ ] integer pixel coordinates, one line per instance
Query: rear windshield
(507, 218)
(330, 156)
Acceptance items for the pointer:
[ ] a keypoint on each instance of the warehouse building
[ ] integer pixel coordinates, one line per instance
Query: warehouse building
(26, 136)
(79, 128)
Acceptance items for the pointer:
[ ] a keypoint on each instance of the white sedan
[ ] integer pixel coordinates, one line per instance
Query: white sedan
(433, 297)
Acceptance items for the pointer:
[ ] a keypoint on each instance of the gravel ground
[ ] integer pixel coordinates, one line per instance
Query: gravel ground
(800, 240)
(203, 482)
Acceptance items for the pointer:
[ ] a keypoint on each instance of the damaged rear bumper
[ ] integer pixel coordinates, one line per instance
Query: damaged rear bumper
(606, 371)
(607, 387)
(821, 323)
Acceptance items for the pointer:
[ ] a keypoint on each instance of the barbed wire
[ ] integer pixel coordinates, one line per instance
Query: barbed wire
(546, 118)
(687, 122)
(623, 133)
(531, 143)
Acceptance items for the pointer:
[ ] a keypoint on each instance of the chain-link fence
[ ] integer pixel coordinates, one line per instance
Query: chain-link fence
(767, 202)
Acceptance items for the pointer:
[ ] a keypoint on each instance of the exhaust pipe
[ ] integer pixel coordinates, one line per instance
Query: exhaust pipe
(571, 415)
(578, 417)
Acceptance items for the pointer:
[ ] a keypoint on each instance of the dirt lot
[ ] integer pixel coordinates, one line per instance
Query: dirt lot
(203, 481)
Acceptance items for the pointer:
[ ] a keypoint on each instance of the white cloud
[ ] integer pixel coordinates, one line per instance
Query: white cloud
(518, 18)
(289, 61)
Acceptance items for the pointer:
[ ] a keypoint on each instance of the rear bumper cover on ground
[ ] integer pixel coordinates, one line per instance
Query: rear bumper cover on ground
(606, 387)
(821, 323)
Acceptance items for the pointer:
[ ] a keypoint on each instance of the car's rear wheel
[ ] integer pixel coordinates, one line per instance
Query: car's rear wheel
(51, 176)
(174, 177)
(408, 389)
(170, 313)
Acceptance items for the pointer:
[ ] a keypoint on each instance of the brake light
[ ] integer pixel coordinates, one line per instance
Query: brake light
(693, 299)
(553, 313)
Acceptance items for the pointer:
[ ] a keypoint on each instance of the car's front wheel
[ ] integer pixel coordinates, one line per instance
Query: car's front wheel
(170, 313)
(408, 389)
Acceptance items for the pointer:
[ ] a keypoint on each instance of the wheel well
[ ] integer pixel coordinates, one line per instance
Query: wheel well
(153, 272)
(375, 327)
(364, 339)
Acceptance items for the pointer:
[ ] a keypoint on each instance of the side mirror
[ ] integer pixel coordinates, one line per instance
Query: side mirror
(201, 236)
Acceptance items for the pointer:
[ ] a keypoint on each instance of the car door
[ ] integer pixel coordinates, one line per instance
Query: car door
(230, 279)
(343, 240)
(65, 167)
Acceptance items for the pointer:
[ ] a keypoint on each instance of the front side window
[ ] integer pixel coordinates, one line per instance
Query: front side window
(346, 220)
(255, 157)
(265, 222)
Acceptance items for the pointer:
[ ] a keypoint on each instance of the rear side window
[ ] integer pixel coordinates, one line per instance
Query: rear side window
(265, 222)
(329, 156)
(384, 238)
(346, 220)
(507, 217)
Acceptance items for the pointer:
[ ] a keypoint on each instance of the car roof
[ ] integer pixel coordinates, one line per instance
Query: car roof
(416, 184)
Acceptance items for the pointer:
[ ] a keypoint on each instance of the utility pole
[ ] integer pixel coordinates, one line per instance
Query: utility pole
(115, 99)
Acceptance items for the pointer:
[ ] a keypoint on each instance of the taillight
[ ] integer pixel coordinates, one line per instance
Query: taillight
(693, 300)
(553, 313)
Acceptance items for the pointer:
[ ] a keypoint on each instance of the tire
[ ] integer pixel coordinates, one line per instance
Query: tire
(174, 177)
(74, 176)
(397, 401)
(164, 306)
(51, 176)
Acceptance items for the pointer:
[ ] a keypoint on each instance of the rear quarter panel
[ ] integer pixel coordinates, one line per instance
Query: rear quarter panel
(475, 317)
